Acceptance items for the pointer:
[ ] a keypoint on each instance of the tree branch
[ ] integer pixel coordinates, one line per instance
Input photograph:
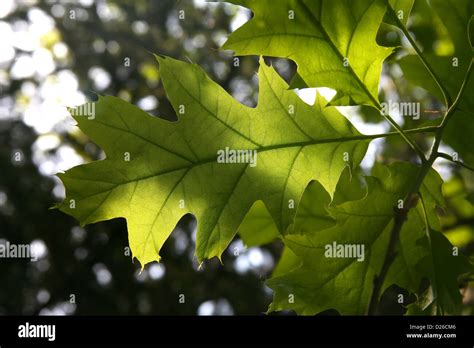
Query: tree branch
(401, 214)
(400, 217)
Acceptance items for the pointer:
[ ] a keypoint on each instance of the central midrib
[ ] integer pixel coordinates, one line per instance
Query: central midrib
(260, 149)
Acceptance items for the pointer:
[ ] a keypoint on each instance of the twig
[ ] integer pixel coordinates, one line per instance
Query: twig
(451, 159)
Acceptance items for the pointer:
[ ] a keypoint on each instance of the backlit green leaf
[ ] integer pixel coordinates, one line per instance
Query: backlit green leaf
(156, 171)
(344, 282)
(332, 42)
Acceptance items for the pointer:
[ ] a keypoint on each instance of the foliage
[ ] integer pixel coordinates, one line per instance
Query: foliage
(32, 115)
(156, 171)
(173, 170)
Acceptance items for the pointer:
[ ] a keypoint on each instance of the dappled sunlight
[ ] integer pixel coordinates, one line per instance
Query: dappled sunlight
(56, 55)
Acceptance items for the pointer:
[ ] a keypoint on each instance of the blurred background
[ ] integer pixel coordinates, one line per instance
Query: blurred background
(55, 54)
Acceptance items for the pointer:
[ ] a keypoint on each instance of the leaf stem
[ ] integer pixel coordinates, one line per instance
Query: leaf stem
(413, 43)
(447, 117)
(430, 129)
(402, 133)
